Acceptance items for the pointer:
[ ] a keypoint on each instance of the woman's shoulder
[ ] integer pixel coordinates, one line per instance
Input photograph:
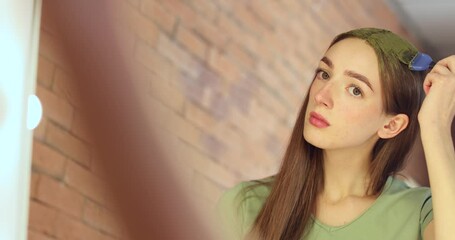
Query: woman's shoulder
(251, 190)
(401, 188)
(238, 206)
(403, 196)
(413, 202)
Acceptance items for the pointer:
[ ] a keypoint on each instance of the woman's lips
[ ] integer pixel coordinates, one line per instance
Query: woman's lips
(318, 120)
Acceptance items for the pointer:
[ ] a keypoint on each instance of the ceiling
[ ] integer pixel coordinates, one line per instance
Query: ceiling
(432, 22)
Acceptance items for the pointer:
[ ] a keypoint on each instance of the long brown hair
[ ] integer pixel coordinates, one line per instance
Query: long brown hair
(286, 213)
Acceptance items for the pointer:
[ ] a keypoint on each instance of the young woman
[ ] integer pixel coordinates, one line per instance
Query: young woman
(365, 107)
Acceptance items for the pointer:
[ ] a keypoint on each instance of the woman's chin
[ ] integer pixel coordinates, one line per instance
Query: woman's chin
(313, 139)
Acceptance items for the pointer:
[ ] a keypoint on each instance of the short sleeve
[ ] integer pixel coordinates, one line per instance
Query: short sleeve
(230, 213)
(426, 212)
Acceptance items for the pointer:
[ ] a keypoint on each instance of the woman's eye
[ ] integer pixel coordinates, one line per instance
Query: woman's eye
(322, 74)
(355, 91)
(325, 75)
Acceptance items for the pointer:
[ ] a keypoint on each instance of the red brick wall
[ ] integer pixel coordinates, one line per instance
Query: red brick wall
(226, 79)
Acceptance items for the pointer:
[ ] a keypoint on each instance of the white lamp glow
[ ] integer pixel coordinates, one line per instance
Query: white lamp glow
(34, 112)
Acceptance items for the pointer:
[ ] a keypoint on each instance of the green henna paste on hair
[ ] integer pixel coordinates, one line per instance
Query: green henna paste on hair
(390, 44)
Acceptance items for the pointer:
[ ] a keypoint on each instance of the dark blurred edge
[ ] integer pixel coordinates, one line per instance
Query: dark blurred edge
(150, 201)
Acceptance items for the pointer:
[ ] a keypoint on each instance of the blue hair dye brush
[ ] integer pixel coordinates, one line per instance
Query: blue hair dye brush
(421, 62)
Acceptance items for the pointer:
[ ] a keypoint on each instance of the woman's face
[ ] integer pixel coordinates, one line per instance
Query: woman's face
(347, 93)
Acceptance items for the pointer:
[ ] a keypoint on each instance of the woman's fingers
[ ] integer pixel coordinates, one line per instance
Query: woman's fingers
(448, 62)
(442, 70)
(431, 79)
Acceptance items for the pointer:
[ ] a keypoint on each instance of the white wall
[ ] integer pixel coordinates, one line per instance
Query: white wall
(19, 29)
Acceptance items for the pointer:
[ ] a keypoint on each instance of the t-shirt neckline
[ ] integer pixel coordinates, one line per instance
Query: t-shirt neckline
(333, 228)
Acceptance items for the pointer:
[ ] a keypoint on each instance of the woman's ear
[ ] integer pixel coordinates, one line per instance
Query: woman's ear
(393, 126)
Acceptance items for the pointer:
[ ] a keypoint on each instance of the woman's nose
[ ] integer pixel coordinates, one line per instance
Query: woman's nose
(324, 96)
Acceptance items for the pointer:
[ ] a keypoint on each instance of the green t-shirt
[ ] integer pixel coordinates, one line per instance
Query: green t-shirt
(400, 212)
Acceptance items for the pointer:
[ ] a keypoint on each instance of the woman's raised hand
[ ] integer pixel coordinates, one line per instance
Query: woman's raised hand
(438, 108)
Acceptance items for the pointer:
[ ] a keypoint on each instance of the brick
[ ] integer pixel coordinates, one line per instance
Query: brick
(181, 10)
(270, 47)
(100, 218)
(206, 8)
(153, 62)
(362, 16)
(84, 181)
(72, 229)
(223, 65)
(292, 7)
(175, 124)
(242, 92)
(54, 107)
(224, 131)
(33, 184)
(167, 94)
(272, 103)
(198, 116)
(42, 218)
(224, 6)
(79, 127)
(338, 21)
(126, 40)
(51, 48)
(265, 13)
(320, 38)
(40, 131)
(182, 129)
(289, 92)
(68, 144)
(157, 13)
(204, 89)
(210, 33)
(271, 79)
(192, 42)
(45, 72)
(157, 113)
(129, 17)
(288, 77)
(244, 38)
(179, 58)
(301, 65)
(260, 163)
(284, 130)
(157, 83)
(47, 160)
(64, 86)
(194, 158)
(97, 170)
(32, 235)
(182, 172)
(250, 21)
(204, 187)
(274, 112)
(58, 195)
(243, 58)
(47, 23)
(213, 145)
(381, 11)
(218, 104)
(245, 124)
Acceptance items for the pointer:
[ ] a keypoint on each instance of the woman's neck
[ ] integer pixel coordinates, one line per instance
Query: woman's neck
(345, 174)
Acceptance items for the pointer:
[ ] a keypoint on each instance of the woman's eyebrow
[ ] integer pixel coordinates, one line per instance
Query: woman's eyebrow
(349, 73)
(327, 61)
(359, 77)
